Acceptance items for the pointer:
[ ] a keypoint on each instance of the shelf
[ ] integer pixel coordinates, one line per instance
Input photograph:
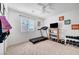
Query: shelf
(54, 33)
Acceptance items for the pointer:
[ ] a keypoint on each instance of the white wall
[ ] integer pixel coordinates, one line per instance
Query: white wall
(50, 20)
(65, 29)
(16, 35)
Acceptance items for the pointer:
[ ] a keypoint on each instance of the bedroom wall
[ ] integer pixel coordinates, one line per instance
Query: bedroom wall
(65, 29)
(16, 35)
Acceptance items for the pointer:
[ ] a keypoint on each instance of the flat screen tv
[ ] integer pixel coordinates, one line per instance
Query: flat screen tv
(54, 25)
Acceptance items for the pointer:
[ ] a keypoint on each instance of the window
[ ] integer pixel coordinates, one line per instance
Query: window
(26, 24)
(30, 25)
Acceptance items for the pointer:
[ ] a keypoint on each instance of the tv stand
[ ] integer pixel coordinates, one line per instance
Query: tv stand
(54, 34)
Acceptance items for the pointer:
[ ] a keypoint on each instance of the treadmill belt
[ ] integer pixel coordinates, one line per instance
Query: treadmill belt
(38, 39)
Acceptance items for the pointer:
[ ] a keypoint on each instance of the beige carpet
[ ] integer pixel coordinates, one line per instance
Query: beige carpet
(43, 48)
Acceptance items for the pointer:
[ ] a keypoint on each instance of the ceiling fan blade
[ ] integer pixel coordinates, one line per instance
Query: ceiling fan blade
(41, 4)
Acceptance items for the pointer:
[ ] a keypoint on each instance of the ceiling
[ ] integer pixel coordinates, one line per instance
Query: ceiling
(43, 9)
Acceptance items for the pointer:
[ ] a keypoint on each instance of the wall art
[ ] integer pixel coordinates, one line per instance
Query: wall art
(75, 26)
(67, 22)
(61, 18)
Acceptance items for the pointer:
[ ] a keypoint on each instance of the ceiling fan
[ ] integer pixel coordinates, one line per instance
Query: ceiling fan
(46, 6)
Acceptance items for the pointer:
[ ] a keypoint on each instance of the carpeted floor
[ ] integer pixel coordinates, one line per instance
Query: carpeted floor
(43, 48)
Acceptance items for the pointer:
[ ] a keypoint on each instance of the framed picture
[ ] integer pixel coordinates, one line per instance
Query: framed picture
(67, 22)
(75, 26)
(61, 18)
(39, 23)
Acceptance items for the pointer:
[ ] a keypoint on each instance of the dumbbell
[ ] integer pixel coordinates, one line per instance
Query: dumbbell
(77, 44)
(59, 41)
(62, 42)
(53, 39)
(70, 42)
(73, 43)
(67, 41)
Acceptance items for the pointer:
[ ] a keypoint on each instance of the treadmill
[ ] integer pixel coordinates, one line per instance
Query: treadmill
(41, 38)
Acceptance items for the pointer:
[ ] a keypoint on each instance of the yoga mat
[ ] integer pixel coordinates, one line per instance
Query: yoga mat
(5, 23)
(0, 27)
